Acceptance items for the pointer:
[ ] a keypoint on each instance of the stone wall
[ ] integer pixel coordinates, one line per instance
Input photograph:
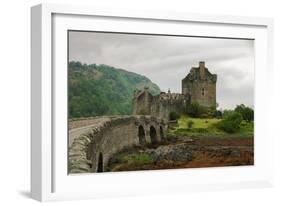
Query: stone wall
(166, 103)
(92, 145)
(84, 121)
(203, 92)
(160, 105)
(142, 102)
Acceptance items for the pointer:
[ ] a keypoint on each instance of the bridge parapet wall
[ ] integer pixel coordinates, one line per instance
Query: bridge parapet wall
(93, 144)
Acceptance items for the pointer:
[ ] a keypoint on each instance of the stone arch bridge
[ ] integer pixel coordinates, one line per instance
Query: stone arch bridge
(93, 141)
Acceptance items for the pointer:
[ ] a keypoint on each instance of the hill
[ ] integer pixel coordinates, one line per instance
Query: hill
(95, 90)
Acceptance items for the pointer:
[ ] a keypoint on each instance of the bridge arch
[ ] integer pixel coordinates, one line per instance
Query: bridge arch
(100, 163)
(141, 135)
(153, 135)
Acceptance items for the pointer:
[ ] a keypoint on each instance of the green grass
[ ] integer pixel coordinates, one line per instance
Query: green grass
(134, 158)
(141, 158)
(130, 158)
(207, 127)
(198, 123)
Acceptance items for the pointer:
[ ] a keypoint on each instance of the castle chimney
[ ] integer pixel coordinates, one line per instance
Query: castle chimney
(202, 70)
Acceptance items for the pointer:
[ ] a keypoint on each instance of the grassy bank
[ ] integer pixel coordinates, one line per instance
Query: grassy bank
(130, 158)
(206, 127)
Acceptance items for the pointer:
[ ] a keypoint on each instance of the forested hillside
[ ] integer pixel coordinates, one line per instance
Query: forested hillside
(95, 90)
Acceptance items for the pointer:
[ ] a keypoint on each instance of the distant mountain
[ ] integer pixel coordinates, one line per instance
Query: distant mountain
(95, 90)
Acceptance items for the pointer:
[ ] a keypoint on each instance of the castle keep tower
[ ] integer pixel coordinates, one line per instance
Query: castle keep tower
(200, 86)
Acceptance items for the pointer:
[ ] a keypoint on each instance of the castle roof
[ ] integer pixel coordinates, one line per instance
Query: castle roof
(194, 74)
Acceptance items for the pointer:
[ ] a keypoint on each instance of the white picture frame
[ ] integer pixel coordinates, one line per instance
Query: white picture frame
(49, 178)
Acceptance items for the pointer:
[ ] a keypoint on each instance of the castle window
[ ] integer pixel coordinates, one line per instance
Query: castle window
(203, 91)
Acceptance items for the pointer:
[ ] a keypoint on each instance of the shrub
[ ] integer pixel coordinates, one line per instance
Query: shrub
(231, 123)
(246, 112)
(227, 113)
(174, 116)
(196, 110)
(189, 124)
(243, 123)
(217, 114)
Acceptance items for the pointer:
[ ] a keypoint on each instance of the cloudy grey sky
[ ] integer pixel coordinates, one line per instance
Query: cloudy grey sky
(166, 60)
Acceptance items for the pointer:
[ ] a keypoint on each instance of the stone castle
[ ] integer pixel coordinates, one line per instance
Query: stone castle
(198, 86)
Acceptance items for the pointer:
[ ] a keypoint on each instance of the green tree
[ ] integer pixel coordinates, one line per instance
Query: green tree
(226, 113)
(95, 90)
(246, 112)
(217, 114)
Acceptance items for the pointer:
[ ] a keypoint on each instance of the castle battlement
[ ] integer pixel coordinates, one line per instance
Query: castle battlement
(171, 96)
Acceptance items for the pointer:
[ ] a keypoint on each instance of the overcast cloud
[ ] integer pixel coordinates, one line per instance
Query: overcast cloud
(166, 60)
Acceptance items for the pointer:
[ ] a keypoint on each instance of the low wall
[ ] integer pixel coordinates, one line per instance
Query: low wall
(93, 141)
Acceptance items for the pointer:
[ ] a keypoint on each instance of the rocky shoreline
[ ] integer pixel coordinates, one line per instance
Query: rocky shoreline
(186, 153)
